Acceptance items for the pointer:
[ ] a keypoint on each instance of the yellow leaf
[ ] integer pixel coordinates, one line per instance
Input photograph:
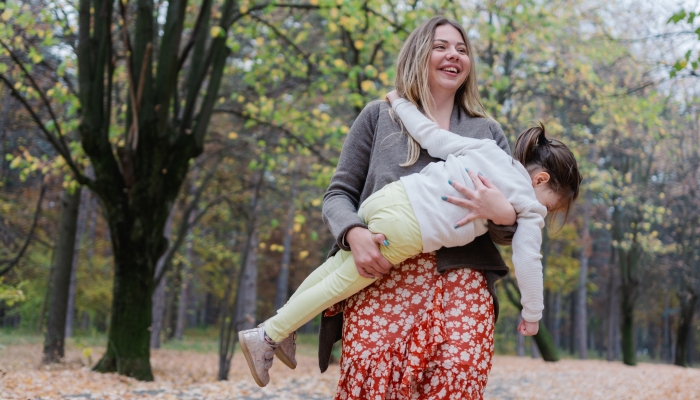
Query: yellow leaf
(297, 227)
(359, 44)
(6, 15)
(367, 85)
(216, 31)
(332, 27)
(232, 135)
(316, 202)
(303, 254)
(313, 2)
(260, 41)
(339, 63)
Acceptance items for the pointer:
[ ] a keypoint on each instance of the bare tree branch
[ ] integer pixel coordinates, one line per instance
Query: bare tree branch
(64, 151)
(15, 261)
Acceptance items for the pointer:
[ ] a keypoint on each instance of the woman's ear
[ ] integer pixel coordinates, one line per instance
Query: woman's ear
(540, 178)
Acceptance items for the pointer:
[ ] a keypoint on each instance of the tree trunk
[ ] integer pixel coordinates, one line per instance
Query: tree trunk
(246, 310)
(158, 298)
(283, 276)
(65, 246)
(582, 293)
(629, 352)
(545, 344)
(520, 340)
(666, 346)
(83, 212)
(183, 299)
(556, 320)
(613, 320)
(685, 330)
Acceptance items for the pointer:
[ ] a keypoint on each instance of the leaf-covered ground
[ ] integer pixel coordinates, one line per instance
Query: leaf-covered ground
(192, 375)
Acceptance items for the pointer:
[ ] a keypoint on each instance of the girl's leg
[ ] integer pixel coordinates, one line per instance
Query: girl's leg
(342, 282)
(321, 272)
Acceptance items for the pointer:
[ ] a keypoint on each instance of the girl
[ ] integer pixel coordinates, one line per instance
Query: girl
(414, 220)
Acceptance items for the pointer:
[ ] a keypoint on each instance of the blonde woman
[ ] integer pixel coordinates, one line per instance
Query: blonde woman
(416, 332)
(425, 328)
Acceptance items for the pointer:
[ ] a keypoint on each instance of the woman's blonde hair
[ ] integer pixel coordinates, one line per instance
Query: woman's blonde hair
(412, 75)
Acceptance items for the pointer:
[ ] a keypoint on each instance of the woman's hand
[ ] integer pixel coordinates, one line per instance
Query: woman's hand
(364, 245)
(485, 201)
(528, 328)
(392, 96)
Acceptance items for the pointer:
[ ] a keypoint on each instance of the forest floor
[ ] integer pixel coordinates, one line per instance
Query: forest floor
(188, 371)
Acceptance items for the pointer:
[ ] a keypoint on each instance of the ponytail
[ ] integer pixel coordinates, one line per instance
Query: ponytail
(535, 151)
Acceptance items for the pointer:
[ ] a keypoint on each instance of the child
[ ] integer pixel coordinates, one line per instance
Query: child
(545, 178)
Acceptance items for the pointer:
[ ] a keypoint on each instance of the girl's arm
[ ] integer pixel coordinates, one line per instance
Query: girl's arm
(439, 143)
(527, 242)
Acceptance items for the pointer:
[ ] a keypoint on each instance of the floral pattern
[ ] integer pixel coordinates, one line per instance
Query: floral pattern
(417, 334)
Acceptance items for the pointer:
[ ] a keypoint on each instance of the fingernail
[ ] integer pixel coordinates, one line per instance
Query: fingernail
(444, 198)
(450, 182)
(386, 242)
(456, 226)
(481, 173)
(466, 169)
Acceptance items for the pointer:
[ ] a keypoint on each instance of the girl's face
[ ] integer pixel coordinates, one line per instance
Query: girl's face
(544, 194)
(449, 63)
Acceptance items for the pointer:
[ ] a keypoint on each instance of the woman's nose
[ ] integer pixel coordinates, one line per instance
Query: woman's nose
(452, 54)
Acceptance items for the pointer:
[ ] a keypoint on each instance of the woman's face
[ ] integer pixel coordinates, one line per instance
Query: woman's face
(449, 63)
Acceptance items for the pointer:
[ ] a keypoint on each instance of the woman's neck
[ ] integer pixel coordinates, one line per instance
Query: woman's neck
(442, 112)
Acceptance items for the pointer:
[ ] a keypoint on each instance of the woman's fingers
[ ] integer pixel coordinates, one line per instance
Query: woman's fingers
(467, 219)
(465, 191)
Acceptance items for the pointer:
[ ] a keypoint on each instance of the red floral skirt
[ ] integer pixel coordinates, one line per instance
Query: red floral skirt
(417, 334)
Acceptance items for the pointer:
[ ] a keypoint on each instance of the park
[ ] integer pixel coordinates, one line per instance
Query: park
(170, 174)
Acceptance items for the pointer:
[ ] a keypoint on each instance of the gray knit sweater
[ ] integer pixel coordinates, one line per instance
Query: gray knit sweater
(369, 160)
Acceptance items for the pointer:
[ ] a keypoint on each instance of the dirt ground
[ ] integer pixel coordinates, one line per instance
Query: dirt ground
(192, 375)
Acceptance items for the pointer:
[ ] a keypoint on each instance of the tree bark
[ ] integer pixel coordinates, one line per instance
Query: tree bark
(556, 320)
(158, 298)
(685, 330)
(629, 351)
(246, 311)
(582, 292)
(83, 212)
(520, 340)
(613, 321)
(283, 276)
(64, 252)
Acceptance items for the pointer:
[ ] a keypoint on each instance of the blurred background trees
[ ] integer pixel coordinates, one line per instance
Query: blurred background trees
(618, 83)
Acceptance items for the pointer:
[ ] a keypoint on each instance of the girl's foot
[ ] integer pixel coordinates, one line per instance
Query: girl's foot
(258, 352)
(286, 351)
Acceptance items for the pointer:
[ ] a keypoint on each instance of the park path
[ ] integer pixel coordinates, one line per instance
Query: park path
(190, 375)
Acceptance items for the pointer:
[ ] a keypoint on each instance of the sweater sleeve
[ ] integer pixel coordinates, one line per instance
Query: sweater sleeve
(342, 199)
(439, 143)
(527, 242)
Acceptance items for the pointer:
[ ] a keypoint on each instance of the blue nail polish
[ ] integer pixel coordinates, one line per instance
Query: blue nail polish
(466, 169)
(444, 198)
(456, 226)
(481, 173)
(386, 242)
(450, 182)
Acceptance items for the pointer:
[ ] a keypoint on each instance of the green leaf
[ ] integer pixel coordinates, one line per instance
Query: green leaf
(677, 17)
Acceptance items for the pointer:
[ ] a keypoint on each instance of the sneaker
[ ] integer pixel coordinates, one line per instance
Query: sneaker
(258, 353)
(286, 351)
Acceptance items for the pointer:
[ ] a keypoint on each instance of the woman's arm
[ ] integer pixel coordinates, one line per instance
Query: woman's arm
(342, 199)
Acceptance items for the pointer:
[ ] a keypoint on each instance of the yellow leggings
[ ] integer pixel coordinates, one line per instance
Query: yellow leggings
(386, 211)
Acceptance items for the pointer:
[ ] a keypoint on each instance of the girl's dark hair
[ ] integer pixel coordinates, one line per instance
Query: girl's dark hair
(534, 150)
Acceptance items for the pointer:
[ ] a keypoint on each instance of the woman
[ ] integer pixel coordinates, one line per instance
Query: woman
(425, 329)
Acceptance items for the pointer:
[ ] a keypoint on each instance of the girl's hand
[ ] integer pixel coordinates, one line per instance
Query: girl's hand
(528, 328)
(364, 245)
(392, 96)
(485, 201)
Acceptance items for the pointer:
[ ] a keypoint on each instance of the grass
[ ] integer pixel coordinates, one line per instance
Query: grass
(199, 340)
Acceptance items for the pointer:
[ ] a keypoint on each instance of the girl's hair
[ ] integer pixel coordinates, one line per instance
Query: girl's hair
(535, 151)
(412, 72)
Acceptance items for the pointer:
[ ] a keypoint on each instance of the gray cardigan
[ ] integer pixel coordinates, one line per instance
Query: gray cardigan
(370, 159)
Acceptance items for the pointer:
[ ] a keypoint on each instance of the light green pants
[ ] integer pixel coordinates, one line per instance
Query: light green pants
(386, 211)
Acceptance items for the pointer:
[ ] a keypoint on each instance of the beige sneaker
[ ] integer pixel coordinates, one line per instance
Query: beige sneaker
(258, 353)
(286, 351)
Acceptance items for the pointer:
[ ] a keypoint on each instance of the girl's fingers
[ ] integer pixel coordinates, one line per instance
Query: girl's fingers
(468, 193)
(469, 218)
(476, 179)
